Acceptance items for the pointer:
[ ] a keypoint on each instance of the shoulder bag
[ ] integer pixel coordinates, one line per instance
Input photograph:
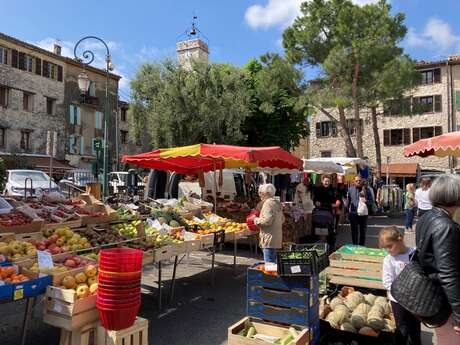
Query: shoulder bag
(421, 294)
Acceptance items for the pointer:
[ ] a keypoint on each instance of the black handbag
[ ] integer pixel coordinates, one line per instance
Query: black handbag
(421, 294)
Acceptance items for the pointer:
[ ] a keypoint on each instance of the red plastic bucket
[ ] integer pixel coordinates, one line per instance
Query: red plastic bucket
(118, 286)
(118, 319)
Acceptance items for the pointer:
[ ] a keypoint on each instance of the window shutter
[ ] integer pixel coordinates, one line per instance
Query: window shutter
(82, 145)
(71, 115)
(457, 99)
(78, 116)
(59, 76)
(5, 58)
(38, 66)
(437, 130)
(22, 61)
(437, 75)
(437, 103)
(45, 69)
(92, 146)
(14, 58)
(415, 134)
(386, 137)
(334, 129)
(318, 129)
(406, 136)
(71, 144)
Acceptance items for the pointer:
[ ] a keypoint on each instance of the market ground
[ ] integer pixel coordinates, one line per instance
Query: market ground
(199, 314)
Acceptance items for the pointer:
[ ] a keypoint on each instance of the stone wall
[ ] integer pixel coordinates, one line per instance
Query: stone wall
(337, 145)
(14, 118)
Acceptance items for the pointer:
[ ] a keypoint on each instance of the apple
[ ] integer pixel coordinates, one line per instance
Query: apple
(91, 281)
(65, 248)
(80, 277)
(53, 238)
(60, 242)
(55, 250)
(69, 282)
(70, 263)
(82, 290)
(93, 288)
(41, 247)
(91, 271)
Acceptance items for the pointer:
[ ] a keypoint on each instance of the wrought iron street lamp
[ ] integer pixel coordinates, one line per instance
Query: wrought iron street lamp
(84, 84)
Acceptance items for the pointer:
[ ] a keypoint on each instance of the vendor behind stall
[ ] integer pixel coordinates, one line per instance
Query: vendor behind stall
(270, 222)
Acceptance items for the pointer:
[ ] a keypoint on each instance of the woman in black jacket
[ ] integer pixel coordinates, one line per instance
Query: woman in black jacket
(438, 242)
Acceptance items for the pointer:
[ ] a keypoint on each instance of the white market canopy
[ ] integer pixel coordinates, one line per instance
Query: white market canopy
(332, 165)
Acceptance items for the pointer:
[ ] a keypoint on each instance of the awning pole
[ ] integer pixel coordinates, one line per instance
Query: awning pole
(215, 185)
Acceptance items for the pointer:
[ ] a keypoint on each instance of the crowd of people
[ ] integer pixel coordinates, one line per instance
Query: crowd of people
(437, 208)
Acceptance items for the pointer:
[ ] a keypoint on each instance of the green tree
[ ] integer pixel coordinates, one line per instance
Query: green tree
(344, 40)
(278, 107)
(386, 86)
(206, 104)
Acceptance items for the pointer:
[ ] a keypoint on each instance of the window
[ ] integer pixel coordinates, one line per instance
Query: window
(123, 114)
(352, 128)
(4, 91)
(50, 106)
(28, 63)
(427, 104)
(27, 101)
(326, 129)
(326, 154)
(425, 132)
(3, 55)
(25, 140)
(92, 89)
(124, 137)
(98, 117)
(74, 115)
(396, 137)
(73, 144)
(397, 107)
(431, 76)
(2, 137)
(51, 70)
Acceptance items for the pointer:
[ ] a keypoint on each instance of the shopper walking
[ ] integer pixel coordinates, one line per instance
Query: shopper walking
(270, 222)
(324, 199)
(438, 244)
(408, 327)
(409, 207)
(358, 219)
(421, 196)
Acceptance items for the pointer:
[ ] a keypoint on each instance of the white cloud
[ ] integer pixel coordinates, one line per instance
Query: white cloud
(280, 13)
(437, 36)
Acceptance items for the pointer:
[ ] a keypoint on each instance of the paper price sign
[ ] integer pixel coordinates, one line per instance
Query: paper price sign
(18, 294)
(45, 260)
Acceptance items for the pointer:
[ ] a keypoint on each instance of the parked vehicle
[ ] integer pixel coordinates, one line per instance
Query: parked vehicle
(20, 181)
(118, 181)
(74, 181)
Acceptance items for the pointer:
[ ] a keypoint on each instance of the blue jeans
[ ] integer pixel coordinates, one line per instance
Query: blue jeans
(269, 254)
(409, 216)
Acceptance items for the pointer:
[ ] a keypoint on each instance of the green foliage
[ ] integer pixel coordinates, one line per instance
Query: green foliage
(179, 107)
(278, 109)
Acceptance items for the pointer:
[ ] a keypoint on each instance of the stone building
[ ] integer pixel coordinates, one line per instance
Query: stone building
(31, 98)
(39, 92)
(435, 108)
(127, 144)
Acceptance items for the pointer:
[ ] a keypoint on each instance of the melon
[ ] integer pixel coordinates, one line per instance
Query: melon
(348, 327)
(370, 299)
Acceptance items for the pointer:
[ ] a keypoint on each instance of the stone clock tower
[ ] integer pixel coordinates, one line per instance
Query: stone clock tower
(193, 47)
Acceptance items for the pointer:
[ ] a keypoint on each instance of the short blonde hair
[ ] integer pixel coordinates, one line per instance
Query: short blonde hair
(410, 187)
(391, 234)
(267, 189)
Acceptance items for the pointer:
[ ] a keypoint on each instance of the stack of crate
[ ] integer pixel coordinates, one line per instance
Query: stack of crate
(285, 300)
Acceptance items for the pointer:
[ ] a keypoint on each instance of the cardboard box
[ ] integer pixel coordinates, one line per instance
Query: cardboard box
(265, 328)
(34, 226)
(64, 301)
(109, 214)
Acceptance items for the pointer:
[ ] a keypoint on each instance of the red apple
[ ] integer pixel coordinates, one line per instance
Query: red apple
(77, 260)
(41, 246)
(65, 248)
(55, 250)
(70, 263)
(53, 238)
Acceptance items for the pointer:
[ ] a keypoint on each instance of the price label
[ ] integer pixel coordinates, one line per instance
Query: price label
(45, 260)
(18, 294)
(295, 269)
(270, 267)
(189, 236)
(322, 231)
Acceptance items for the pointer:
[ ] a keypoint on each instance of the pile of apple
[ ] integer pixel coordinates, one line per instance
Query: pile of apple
(61, 240)
(84, 284)
(14, 218)
(8, 275)
(13, 249)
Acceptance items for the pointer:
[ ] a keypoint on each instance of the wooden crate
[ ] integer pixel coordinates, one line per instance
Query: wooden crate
(137, 334)
(192, 245)
(147, 257)
(87, 335)
(76, 223)
(65, 301)
(162, 253)
(265, 328)
(69, 323)
(207, 241)
(179, 248)
(356, 270)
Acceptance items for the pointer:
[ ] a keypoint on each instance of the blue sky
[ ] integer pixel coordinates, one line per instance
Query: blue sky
(145, 30)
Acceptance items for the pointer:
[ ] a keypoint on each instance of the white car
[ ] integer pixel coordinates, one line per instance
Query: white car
(118, 179)
(19, 180)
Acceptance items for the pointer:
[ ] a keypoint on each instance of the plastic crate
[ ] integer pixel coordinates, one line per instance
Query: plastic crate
(6, 293)
(311, 263)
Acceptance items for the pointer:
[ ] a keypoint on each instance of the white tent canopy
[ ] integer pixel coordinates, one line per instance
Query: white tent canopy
(343, 160)
(332, 165)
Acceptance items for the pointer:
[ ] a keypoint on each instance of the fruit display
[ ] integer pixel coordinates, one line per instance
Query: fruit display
(128, 230)
(14, 218)
(13, 249)
(170, 217)
(288, 338)
(61, 240)
(360, 313)
(84, 284)
(9, 275)
(124, 213)
(212, 224)
(101, 236)
(63, 264)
